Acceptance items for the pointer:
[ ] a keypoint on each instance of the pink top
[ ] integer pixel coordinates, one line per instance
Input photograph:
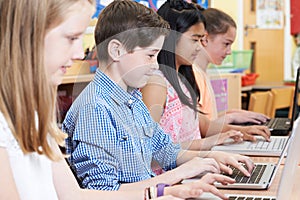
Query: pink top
(177, 119)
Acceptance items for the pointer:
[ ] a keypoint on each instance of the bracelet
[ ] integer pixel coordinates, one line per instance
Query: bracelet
(160, 189)
(152, 192)
(146, 194)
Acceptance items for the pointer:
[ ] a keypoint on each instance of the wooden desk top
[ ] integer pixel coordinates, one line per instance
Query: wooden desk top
(263, 86)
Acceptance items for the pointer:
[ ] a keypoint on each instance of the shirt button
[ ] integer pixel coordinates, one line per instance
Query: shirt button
(130, 101)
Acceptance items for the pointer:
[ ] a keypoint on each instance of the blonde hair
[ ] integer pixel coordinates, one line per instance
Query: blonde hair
(27, 99)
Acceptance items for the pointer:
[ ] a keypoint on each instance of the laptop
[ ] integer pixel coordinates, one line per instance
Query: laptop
(261, 176)
(285, 187)
(282, 126)
(259, 148)
(262, 147)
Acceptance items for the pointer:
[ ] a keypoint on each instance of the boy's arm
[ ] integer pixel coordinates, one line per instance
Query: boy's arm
(93, 140)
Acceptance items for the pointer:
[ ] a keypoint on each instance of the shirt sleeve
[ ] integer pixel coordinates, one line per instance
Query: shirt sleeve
(93, 141)
(5, 135)
(165, 151)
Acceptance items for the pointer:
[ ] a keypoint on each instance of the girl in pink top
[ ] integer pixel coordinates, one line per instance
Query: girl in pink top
(178, 119)
(172, 96)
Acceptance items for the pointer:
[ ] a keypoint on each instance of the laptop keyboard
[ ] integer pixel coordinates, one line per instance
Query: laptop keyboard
(276, 123)
(249, 198)
(253, 179)
(275, 144)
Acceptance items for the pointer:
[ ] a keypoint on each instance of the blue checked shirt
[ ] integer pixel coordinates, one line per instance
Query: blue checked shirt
(112, 137)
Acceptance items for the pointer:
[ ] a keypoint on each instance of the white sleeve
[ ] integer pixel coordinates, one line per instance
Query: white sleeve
(6, 136)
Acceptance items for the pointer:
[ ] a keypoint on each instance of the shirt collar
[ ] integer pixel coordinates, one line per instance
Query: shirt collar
(113, 90)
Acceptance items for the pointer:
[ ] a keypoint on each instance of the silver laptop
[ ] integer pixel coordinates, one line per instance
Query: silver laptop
(261, 147)
(258, 148)
(261, 176)
(284, 189)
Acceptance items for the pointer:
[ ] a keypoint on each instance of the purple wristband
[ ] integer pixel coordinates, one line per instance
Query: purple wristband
(160, 189)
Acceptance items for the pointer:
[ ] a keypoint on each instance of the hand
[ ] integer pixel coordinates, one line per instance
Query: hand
(236, 116)
(220, 138)
(249, 132)
(196, 188)
(224, 159)
(168, 197)
(197, 166)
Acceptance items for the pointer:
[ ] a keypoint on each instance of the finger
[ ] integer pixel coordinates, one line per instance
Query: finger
(262, 117)
(248, 162)
(213, 164)
(168, 197)
(225, 169)
(240, 167)
(254, 121)
(236, 134)
(215, 191)
(223, 179)
(264, 131)
(249, 137)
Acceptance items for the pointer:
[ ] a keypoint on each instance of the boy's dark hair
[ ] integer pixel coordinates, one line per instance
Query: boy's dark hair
(217, 21)
(132, 23)
(181, 16)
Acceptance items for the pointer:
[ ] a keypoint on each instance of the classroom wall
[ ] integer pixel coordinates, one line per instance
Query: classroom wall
(231, 9)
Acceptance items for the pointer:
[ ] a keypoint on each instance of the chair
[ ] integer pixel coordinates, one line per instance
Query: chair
(261, 102)
(282, 98)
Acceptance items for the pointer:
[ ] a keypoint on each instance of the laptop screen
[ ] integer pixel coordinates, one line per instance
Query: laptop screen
(295, 109)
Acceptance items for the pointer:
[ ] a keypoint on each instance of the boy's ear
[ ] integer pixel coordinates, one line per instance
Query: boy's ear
(115, 49)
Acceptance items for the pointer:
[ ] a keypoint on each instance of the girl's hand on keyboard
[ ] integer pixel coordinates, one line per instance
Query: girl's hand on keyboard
(237, 116)
(231, 136)
(251, 131)
(225, 159)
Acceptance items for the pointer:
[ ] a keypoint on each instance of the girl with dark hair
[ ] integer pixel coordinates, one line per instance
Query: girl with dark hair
(176, 93)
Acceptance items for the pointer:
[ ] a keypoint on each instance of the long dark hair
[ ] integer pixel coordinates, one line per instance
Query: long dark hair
(181, 16)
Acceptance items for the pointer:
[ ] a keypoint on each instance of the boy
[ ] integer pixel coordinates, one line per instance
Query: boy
(112, 138)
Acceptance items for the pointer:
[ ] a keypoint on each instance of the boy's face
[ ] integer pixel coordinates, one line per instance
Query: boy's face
(137, 67)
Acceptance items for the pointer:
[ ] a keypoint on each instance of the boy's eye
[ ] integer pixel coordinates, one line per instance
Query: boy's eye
(151, 56)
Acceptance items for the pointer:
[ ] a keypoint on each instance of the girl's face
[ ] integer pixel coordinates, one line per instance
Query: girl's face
(219, 46)
(63, 43)
(189, 45)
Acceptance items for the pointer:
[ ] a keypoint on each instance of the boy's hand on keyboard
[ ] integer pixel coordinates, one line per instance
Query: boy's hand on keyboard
(206, 184)
(225, 159)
